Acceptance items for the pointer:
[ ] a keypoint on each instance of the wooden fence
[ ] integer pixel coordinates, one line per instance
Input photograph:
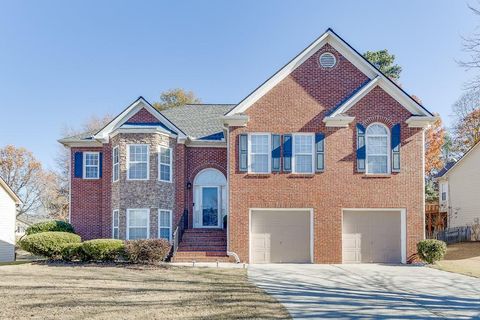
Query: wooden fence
(455, 235)
(435, 221)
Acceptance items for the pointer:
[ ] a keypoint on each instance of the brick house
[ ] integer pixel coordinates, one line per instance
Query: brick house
(322, 163)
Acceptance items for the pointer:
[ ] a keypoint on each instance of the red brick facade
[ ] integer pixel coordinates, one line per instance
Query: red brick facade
(298, 104)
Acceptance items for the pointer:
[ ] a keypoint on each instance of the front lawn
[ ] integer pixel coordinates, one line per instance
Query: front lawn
(57, 291)
(462, 258)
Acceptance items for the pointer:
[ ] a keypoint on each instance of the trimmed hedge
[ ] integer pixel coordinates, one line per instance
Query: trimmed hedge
(431, 250)
(48, 244)
(73, 251)
(102, 249)
(52, 225)
(147, 251)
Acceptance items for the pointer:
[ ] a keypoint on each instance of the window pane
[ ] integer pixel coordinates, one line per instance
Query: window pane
(303, 163)
(137, 233)
(259, 143)
(377, 164)
(377, 129)
(91, 172)
(165, 219)
(377, 145)
(165, 233)
(138, 171)
(303, 144)
(115, 233)
(115, 219)
(165, 156)
(138, 218)
(259, 163)
(164, 172)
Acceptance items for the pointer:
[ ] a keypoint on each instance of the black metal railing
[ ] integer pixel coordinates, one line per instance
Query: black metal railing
(179, 230)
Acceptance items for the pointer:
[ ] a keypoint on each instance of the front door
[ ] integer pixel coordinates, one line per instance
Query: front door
(207, 208)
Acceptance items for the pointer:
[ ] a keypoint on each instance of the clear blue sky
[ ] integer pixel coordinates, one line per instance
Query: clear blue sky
(63, 61)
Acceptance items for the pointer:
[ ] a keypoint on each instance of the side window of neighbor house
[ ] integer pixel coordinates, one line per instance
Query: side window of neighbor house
(138, 162)
(115, 224)
(165, 164)
(443, 190)
(91, 165)
(259, 152)
(116, 164)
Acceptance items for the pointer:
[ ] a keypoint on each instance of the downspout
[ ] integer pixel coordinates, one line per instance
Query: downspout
(227, 138)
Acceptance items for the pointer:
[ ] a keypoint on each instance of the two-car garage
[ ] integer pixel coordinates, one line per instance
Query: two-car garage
(368, 235)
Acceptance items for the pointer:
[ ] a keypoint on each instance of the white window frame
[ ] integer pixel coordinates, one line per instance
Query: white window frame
(389, 148)
(169, 164)
(443, 191)
(169, 227)
(294, 158)
(116, 211)
(269, 153)
(128, 221)
(129, 162)
(115, 165)
(84, 169)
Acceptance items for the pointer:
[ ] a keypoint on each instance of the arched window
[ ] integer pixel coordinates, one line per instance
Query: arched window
(378, 149)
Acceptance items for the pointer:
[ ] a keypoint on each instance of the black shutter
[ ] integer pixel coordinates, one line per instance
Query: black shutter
(243, 152)
(361, 152)
(276, 153)
(287, 152)
(319, 152)
(78, 164)
(396, 141)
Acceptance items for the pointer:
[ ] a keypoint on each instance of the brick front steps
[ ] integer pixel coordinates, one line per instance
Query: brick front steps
(203, 245)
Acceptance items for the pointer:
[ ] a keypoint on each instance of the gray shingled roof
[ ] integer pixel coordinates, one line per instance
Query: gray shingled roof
(199, 121)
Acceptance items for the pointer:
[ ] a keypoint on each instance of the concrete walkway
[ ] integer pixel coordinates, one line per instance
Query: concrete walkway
(369, 291)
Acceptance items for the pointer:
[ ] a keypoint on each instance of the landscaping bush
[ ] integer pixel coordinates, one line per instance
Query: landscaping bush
(48, 244)
(73, 251)
(102, 249)
(147, 251)
(52, 225)
(431, 250)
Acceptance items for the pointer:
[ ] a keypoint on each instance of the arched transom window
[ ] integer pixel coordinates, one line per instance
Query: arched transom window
(378, 150)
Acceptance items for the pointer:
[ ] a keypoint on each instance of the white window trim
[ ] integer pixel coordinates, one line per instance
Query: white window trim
(113, 223)
(84, 165)
(160, 163)
(148, 221)
(294, 153)
(269, 153)
(170, 227)
(128, 161)
(389, 148)
(115, 165)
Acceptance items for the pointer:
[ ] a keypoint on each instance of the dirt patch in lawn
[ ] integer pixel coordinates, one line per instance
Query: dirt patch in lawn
(462, 258)
(56, 291)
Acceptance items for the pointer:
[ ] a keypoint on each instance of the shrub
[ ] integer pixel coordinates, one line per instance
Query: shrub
(52, 225)
(431, 250)
(102, 249)
(72, 251)
(48, 244)
(147, 251)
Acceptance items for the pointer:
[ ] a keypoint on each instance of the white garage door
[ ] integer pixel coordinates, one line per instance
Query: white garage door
(372, 236)
(280, 236)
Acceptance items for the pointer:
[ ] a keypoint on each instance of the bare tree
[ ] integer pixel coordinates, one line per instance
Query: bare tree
(466, 124)
(25, 176)
(472, 46)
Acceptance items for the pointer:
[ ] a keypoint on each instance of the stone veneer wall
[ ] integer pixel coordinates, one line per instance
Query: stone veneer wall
(151, 193)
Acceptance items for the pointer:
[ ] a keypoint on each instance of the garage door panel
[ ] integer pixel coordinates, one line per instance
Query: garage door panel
(288, 233)
(380, 236)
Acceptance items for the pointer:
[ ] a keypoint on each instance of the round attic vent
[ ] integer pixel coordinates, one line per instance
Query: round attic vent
(328, 60)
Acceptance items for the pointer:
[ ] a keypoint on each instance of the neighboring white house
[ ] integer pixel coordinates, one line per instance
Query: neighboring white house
(8, 211)
(459, 188)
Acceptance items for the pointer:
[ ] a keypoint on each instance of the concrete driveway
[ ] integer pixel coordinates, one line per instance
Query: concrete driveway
(369, 291)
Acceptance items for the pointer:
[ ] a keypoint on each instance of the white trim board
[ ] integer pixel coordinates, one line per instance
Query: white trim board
(350, 54)
(312, 235)
(126, 114)
(403, 226)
